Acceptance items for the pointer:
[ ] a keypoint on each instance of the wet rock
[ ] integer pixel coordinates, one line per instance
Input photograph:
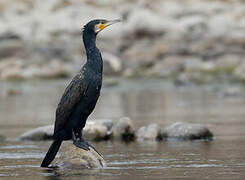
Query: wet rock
(150, 132)
(186, 131)
(94, 130)
(98, 130)
(39, 134)
(124, 130)
(74, 157)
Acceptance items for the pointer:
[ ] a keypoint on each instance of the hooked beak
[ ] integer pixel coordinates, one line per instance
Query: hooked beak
(100, 27)
(108, 23)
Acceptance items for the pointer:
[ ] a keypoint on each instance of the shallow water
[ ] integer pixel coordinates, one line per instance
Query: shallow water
(144, 101)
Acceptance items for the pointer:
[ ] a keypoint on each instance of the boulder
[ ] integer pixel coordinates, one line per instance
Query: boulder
(74, 157)
(98, 130)
(186, 131)
(38, 134)
(239, 72)
(150, 132)
(94, 130)
(124, 130)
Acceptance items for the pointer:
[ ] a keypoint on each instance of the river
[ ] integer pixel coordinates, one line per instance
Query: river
(145, 101)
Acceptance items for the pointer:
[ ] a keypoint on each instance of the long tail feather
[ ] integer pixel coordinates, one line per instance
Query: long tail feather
(54, 148)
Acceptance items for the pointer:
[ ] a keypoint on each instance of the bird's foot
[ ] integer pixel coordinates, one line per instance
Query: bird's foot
(81, 143)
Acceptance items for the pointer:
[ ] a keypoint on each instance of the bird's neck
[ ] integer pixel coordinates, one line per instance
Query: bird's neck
(94, 60)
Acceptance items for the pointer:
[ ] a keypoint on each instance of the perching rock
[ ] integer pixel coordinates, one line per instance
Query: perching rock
(38, 134)
(74, 157)
(124, 130)
(186, 131)
(150, 132)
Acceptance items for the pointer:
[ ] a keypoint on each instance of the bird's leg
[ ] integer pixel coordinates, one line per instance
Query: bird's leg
(80, 142)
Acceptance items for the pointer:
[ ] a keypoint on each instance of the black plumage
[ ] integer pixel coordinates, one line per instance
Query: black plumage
(81, 95)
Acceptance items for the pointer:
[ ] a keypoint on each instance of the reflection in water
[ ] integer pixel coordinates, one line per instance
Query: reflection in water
(144, 102)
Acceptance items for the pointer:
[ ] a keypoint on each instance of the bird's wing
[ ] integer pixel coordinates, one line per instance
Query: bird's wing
(72, 95)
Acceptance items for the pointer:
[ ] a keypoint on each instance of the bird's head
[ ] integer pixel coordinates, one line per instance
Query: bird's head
(97, 25)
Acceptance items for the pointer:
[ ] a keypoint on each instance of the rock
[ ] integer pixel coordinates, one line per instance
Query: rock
(11, 48)
(239, 72)
(38, 134)
(94, 130)
(228, 63)
(74, 157)
(168, 67)
(98, 130)
(195, 77)
(232, 91)
(186, 131)
(124, 130)
(33, 33)
(16, 69)
(150, 132)
(112, 64)
(11, 69)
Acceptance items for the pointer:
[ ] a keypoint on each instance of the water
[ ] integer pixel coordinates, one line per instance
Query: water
(144, 101)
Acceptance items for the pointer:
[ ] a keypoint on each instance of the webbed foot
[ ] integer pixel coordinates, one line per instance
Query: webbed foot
(81, 144)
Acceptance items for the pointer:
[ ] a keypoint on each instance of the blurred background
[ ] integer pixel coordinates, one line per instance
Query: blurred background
(188, 41)
(168, 61)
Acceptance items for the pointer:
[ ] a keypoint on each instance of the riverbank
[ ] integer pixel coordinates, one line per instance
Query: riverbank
(185, 41)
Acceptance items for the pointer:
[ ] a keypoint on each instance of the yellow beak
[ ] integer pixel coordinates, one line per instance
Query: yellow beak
(108, 23)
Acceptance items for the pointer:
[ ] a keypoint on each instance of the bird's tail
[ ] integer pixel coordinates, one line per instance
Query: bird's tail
(54, 148)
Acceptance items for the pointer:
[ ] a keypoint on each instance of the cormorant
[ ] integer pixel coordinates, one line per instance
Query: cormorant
(81, 95)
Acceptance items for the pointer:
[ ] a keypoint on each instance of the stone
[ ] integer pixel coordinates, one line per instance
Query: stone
(150, 132)
(232, 91)
(186, 131)
(74, 157)
(97, 130)
(16, 69)
(239, 72)
(124, 129)
(169, 66)
(38, 134)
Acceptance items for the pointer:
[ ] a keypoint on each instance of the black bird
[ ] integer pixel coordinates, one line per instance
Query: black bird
(81, 95)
